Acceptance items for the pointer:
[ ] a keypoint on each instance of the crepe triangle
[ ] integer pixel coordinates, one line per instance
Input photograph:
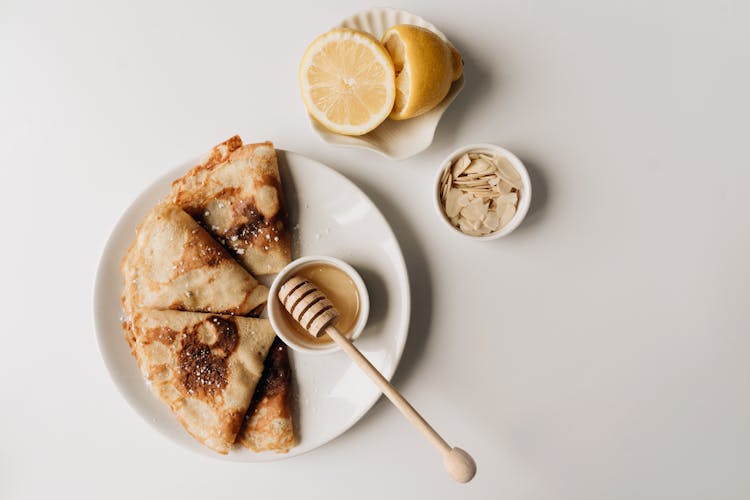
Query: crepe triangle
(235, 193)
(175, 264)
(268, 425)
(205, 367)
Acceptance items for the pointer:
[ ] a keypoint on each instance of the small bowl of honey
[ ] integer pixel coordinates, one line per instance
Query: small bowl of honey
(343, 286)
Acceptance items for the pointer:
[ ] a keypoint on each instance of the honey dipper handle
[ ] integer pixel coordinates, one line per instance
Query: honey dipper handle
(457, 462)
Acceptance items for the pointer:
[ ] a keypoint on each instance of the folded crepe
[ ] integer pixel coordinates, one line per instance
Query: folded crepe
(235, 193)
(205, 367)
(176, 264)
(268, 423)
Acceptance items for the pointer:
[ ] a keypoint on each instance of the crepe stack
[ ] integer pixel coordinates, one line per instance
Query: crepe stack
(189, 288)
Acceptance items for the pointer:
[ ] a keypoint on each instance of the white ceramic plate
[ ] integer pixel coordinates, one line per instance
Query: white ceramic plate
(329, 216)
(394, 139)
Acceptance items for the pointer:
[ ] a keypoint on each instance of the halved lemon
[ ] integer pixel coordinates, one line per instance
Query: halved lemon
(426, 66)
(347, 81)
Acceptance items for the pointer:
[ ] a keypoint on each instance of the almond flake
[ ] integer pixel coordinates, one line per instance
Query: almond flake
(500, 207)
(460, 165)
(511, 198)
(504, 187)
(492, 221)
(475, 210)
(451, 203)
(444, 177)
(479, 166)
(506, 169)
(464, 199)
(508, 213)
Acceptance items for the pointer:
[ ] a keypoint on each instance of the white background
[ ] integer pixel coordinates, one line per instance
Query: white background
(599, 352)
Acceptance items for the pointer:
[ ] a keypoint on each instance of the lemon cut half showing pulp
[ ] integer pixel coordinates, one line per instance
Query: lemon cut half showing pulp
(348, 82)
(426, 66)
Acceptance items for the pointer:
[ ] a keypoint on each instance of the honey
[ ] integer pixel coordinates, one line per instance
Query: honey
(340, 290)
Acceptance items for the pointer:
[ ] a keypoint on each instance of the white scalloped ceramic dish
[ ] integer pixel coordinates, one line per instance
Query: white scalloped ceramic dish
(394, 139)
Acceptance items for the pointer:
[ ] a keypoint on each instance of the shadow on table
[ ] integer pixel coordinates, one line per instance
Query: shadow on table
(479, 79)
(539, 194)
(420, 283)
(378, 294)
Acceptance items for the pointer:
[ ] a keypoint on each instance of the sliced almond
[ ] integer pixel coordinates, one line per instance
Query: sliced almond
(469, 226)
(500, 207)
(465, 199)
(489, 158)
(451, 202)
(460, 165)
(475, 210)
(444, 176)
(479, 166)
(479, 183)
(478, 190)
(464, 226)
(492, 221)
(486, 195)
(504, 187)
(444, 189)
(507, 169)
(508, 213)
(511, 198)
(475, 176)
(444, 192)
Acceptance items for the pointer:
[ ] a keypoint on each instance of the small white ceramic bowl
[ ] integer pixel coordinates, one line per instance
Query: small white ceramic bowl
(396, 139)
(524, 195)
(276, 309)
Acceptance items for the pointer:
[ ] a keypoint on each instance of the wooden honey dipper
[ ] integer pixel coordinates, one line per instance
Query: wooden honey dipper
(316, 314)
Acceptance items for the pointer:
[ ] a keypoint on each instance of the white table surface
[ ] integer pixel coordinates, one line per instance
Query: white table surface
(600, 352)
